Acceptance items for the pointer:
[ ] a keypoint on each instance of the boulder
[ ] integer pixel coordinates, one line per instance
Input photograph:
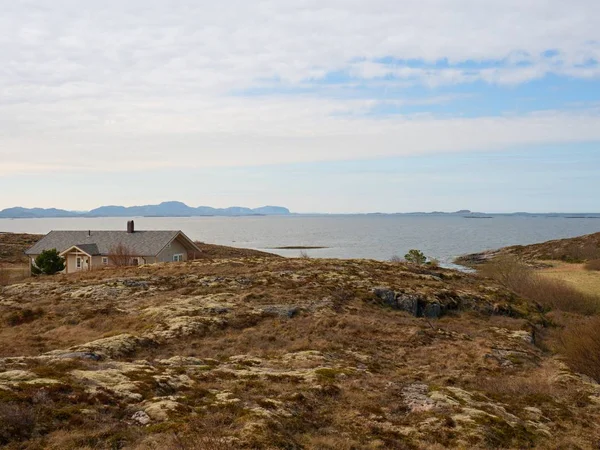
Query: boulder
(280, 310)
(141, 418)
(415, 304)
(387, 296)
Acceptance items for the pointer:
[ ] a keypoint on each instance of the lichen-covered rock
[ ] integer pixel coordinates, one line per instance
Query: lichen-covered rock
(159, 410)
(114, 346)
(141, 417)
(111, 379)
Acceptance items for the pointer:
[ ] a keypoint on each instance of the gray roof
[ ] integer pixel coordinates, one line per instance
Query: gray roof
(141, 243)
(90, 249)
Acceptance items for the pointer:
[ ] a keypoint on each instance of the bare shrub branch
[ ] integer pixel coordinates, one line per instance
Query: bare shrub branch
(120, 255)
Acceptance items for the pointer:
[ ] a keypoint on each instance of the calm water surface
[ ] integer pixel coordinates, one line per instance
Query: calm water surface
(376, 237)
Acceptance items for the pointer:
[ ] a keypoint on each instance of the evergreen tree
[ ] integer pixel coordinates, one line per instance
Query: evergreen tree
(415, 256)
(48, 262)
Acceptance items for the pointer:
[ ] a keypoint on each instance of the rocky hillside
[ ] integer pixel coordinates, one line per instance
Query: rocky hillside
(282, 353)
(577, 249)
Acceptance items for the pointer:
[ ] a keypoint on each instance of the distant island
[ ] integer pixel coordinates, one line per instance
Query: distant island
(165, 209)
(179, 209)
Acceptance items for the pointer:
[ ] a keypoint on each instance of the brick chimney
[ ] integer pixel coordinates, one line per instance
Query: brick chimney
(130, 227)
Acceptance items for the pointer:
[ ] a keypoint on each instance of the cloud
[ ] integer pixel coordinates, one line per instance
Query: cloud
(143, 84)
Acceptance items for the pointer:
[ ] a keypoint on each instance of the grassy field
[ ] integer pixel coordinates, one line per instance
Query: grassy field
(575, 275)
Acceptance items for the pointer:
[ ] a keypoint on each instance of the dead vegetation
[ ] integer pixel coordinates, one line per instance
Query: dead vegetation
(580, 345)
(12, 246)
(592, 264)
(121, 255)
(267, 352)
(522, 279)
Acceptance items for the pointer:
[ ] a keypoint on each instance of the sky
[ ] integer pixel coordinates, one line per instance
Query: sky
(333, 106)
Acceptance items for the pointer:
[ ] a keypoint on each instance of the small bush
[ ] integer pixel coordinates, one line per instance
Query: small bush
(433, 263)
(593, 264)
(580, 346)
(397, 259)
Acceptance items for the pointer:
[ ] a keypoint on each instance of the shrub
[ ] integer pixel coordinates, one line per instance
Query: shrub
(433, 263)
(576, 253)
(48, 262)
(593, 264)
(580, 346)
(415, 256)
(17, 422)
(397, 259)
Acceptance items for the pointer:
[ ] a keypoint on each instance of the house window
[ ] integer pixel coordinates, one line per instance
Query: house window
(178, 257)
(135, 261)
(104, 261)
(78, 262)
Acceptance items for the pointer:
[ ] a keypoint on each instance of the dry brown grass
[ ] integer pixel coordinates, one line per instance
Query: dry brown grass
(574, 275)
(13, 273)
(4, 275)
(593, 264)
(360, 356)
(12, 246)
(580, 346)
(549, 293)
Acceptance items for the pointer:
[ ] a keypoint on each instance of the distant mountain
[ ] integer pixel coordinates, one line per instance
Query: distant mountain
(165, 209)
(19, 212)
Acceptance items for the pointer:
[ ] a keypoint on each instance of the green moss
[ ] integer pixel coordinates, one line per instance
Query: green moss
(327, 373)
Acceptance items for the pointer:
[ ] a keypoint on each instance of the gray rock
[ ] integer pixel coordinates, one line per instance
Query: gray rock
(432, 310)
(135, 284)
(415, 304)
(281, 310)
(387, 295)
(141, 418)
(79, 355)
(410, 303)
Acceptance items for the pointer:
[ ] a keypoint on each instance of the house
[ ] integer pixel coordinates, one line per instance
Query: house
(86, 250)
